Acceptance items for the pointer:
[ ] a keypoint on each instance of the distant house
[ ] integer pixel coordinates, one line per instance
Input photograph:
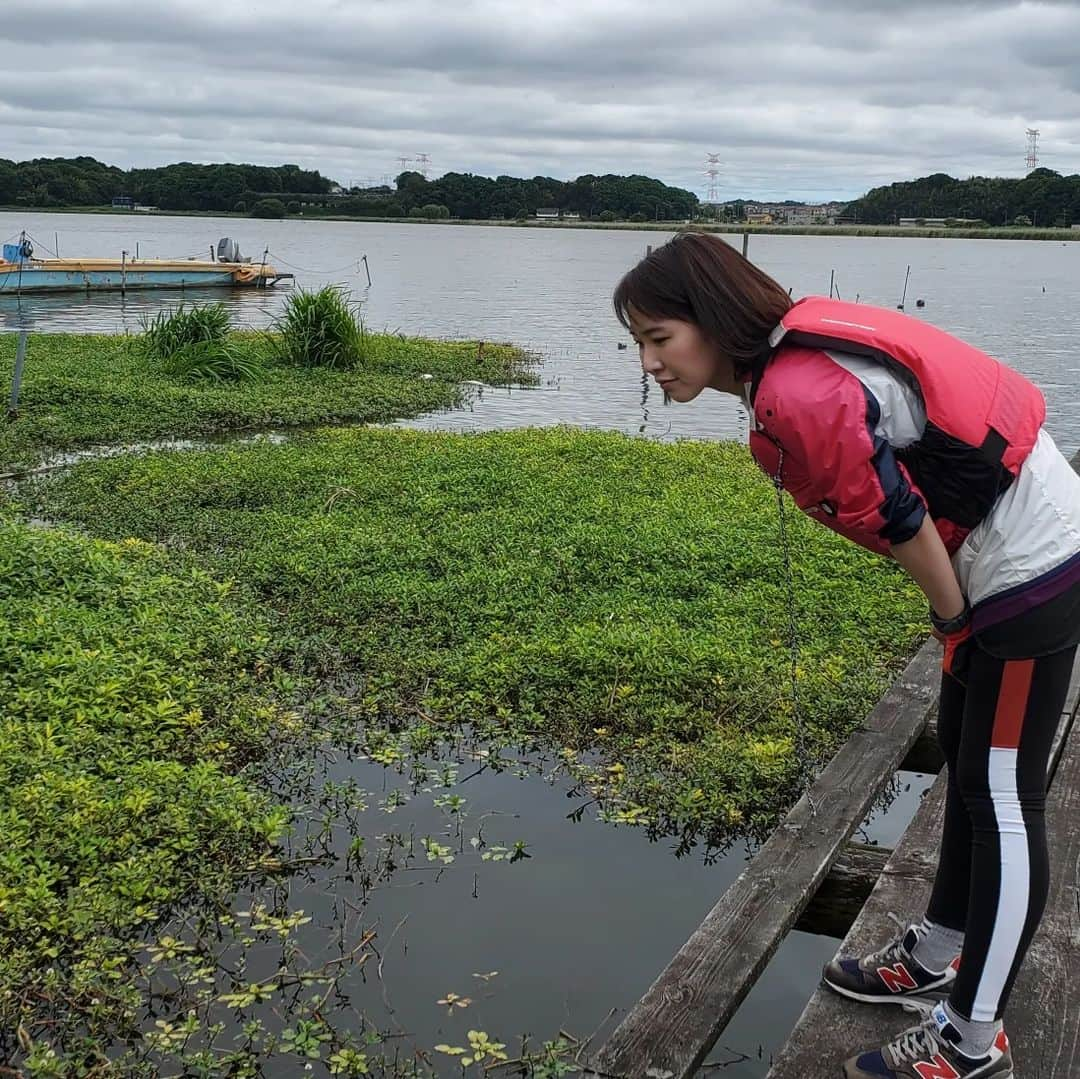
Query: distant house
(123, 202)
(809, 214)
(763, 218)
(569, 215)
(548, 214)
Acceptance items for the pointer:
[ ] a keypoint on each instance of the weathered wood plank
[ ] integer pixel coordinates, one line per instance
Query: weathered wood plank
(838, 901)
(925, 755)
(832, 1028)
(672, 1028)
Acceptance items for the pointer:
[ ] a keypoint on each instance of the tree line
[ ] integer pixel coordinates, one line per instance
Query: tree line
(83, 181)
(465, 195)
(1042, 198)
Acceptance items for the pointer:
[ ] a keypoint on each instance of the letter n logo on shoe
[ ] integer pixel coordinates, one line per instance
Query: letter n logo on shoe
(897, 978)
(937, 1068)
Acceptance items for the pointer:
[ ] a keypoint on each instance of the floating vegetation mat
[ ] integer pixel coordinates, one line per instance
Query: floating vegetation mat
(203, 631)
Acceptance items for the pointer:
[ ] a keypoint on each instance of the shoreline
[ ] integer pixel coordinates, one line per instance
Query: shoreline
(1004, 232)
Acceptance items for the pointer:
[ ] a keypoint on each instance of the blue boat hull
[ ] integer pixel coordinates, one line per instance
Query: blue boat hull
(38, 280)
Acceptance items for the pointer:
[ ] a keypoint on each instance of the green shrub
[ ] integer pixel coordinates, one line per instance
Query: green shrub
(240, 207)
(294, 207)
(638, 217)
(607, 215)
(268, 208)
(320, 329)
(216, 361)
(171, 330)
(522, 215)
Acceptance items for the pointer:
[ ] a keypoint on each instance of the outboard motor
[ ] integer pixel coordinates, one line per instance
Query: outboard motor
(228, 250)
(20, 252)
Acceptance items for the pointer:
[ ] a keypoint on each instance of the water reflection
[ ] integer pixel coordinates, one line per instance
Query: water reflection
(113, 312)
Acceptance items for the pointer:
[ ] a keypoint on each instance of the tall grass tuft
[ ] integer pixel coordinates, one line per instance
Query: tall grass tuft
(169, 331)
(321, 329)
(215, 361)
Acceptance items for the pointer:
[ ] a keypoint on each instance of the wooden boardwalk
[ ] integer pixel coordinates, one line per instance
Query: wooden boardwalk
(671, 1029)
(809, 876)
(1043, 1019)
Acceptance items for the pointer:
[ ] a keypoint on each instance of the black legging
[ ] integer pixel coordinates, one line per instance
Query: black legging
(996, 729)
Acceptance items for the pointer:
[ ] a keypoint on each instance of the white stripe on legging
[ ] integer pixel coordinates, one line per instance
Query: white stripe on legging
(1014, 889)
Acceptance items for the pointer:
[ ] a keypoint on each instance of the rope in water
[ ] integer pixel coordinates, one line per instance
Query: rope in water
(354, 266)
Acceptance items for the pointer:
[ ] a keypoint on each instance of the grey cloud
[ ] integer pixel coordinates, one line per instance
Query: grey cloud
(822, 99)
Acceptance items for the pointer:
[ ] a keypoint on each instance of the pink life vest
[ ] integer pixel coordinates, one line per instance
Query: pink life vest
(983, 418)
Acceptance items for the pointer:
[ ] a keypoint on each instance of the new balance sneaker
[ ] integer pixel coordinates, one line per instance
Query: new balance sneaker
(892, 975)
(929, 1051)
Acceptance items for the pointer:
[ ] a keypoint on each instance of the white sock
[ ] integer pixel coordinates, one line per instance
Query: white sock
(977, 1036)
(937, 946)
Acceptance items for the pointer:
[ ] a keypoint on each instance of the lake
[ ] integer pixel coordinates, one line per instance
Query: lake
(549, 290)
(588, 921)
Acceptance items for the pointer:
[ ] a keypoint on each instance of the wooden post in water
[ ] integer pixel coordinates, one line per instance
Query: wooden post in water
(56, 244)
(367, 270)
(123, 273)
(745, 244)
(16, 382)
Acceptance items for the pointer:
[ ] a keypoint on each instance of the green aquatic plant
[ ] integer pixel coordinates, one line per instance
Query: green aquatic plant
(170, 330)
(321, 329)
(548, 584)
(92, 389)
(216, 361)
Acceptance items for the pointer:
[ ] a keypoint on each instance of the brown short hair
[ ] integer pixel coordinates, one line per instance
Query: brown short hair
(697, 277)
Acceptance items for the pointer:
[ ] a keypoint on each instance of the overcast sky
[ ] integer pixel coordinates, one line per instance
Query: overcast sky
(814, 99)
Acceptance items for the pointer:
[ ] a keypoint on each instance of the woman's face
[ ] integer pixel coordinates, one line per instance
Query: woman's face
(680, 359)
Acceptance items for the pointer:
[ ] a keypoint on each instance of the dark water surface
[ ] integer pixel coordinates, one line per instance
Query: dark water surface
(585, 923)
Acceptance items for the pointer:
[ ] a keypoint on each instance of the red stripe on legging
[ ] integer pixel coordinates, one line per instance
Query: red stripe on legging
(1012, 703)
